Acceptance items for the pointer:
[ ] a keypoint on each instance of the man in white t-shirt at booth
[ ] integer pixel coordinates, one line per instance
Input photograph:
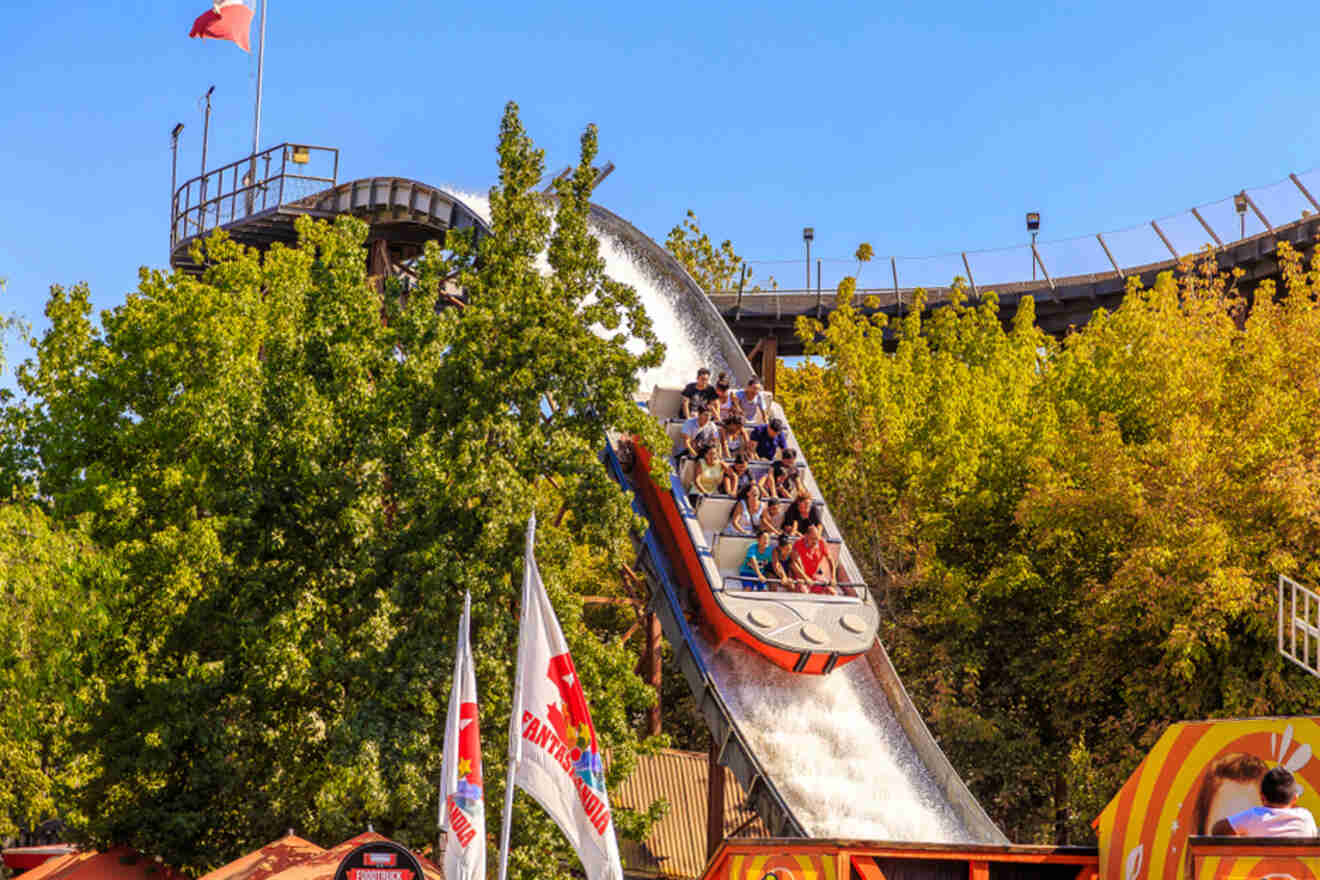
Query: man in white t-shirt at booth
(1279, 817)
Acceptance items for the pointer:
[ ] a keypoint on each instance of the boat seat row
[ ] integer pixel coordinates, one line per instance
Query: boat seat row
(715, 512)
(667, 403)
(675, 430)
(758, 469)
(730, 551)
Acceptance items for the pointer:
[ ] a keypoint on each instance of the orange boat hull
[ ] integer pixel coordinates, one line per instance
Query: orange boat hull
(668, 524)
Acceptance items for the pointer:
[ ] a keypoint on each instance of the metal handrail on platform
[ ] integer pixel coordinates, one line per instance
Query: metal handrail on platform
(1299, 625)
(252, 185)
(1253, 214)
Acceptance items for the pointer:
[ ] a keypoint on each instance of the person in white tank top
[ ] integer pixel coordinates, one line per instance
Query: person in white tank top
(1279, 815)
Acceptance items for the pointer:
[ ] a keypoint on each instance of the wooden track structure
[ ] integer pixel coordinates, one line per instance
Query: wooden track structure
(765, 319)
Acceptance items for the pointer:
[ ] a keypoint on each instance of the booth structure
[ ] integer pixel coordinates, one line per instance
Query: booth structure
(816, 859)
(1242, 858)
(1197, 773)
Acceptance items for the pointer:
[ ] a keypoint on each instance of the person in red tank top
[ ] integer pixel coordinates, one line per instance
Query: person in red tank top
(812, 562)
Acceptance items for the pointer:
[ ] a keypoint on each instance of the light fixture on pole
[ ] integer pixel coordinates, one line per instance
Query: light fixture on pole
(206, 134)
(1033, 226)
(1240, 205)
(808, 234)
(174, 174)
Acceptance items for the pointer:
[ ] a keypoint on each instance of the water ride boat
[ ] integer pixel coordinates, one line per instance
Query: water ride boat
(795, 628)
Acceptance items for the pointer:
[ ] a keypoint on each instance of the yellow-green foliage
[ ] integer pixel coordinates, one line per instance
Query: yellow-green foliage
(1078, 542)
(713, 268)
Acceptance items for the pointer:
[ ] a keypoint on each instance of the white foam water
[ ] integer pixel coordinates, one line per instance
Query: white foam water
(834, 749)
(831, 743)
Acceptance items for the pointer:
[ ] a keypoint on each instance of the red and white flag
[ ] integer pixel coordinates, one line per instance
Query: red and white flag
(553, 753)
(225, 20)
(462, 804)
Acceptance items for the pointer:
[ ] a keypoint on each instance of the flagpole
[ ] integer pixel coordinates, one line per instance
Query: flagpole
(261, 57)
(515, 719)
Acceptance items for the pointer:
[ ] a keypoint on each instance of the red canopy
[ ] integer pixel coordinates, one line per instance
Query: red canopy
(272, 858)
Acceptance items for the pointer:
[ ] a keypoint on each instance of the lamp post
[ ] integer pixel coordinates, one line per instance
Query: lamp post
(1033, 226)
(807, 235)
(1240, 205)
(206, 133)
(174, 174)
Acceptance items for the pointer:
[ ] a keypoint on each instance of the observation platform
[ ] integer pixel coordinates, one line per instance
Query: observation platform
(257, 199)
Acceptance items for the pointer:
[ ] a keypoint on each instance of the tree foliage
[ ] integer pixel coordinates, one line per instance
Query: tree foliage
(1078, 541)
(300, 470)
(712, 267)
(53, 615)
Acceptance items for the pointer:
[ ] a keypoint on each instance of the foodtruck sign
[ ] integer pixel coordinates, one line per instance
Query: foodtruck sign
(380, 860)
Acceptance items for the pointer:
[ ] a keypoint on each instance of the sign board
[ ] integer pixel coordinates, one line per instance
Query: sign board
(1245, 858)
(1197, 773)
(379, 860)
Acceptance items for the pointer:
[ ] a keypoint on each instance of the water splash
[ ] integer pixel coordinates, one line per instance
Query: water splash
(834, 749)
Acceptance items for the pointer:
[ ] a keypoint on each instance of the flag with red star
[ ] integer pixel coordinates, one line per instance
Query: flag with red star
(462, 806)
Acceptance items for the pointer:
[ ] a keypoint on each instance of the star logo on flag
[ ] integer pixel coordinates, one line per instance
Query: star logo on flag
(572, 720)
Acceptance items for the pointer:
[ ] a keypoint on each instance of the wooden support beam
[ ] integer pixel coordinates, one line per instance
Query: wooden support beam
(867, 868)
(623, 601)
(628, 634)
(1163, 238)
(378, 262)
(1306, 192)
(1046, 272)
(769, 355)
(651, 674)
(715, 803)
(1207, 227)
(1100, 238)
(1256, 211)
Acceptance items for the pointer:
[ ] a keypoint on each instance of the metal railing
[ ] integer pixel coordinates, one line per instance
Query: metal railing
(1299, 625)
(853, 592)
(250, 186)
(1117, 253)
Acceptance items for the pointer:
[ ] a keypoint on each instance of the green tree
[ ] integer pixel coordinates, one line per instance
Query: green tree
(53, 614)
(1076, 544)
(303, 471)
(713, 267)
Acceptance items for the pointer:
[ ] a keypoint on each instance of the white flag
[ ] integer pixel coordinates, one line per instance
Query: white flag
(462, 805)
(553, 753)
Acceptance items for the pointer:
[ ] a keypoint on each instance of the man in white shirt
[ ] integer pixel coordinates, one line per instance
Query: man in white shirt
(752, 401)
(1279, 817)
(697, 433)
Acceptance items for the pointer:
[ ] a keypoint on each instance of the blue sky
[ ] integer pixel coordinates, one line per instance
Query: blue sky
(922, 128)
